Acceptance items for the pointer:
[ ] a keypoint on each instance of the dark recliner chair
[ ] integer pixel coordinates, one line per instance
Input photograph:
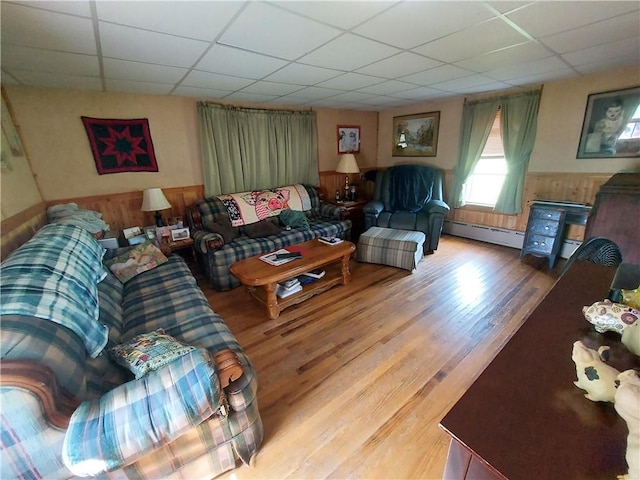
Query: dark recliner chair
(409, 197)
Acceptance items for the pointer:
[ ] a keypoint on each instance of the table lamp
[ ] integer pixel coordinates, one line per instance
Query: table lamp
(347, 164)
(153, 200)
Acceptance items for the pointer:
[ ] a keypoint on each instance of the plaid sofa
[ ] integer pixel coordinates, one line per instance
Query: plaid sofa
(69, 410)
(215, 257)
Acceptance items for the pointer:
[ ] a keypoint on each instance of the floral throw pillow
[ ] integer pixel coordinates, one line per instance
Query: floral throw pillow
(143, 258)
(148, 351)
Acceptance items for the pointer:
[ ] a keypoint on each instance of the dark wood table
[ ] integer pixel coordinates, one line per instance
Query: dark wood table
(523, 417)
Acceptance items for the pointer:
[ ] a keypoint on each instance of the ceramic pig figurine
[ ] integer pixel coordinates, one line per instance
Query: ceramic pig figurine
(609, 316)
(631, 338)
(627, 404)
(594, 376)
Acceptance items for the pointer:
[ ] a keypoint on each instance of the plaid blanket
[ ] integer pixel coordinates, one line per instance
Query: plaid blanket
(154, 410)
(54, 276)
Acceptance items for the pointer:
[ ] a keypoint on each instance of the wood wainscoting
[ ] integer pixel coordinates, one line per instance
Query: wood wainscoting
(19, 228)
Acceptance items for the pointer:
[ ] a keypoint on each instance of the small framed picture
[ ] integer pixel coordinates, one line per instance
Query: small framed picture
(131, 232)
(150, 232)
(179, 234)
(348, 139)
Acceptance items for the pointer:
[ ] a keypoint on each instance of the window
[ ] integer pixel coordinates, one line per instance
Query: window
(632, 130)
(485, 182)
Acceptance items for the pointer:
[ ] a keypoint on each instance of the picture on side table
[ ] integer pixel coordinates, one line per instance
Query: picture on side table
(611, 126)
(416, 135)
(179, 234)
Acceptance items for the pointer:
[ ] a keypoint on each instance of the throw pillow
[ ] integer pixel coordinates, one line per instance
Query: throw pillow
(137, 260)
(263, 228)
(148, 351)
(222, 225)
(294, 218)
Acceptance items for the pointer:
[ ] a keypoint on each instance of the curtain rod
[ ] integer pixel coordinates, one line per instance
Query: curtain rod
(468, 101)
(261, 109)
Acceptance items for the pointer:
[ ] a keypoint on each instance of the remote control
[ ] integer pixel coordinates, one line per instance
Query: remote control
(282, 256)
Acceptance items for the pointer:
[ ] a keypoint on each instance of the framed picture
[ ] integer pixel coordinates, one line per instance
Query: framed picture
(416, 135)
(611, 126)
(150, 232)
(348, 139)
(179, 234)
(131, 232)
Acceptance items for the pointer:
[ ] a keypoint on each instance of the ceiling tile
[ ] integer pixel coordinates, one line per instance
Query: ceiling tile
(355, 52)
(57, 80)
(401, 64)
(299, 74)
(435, 75)
(215, 81)
(272, 88)
(609, 64)
(65, 33)
(464, 83)
(509, 72)
(141, 72)
(387, 88)
(276, 32)
(138, 87)
(197, 20)
(546, 18)
(250, 97)
(48, 61)
(350, 81)
(313, 93)
(543, 77)
(128, 43)
(341, 14)
(209, 93)
(418, 93)
(8, 79)
(475, 40)
(526, 52)
(352, 97)
(409, 24)
(629, 48)
(77, 7)
(232, 61)
(611, 30)
(504, 6)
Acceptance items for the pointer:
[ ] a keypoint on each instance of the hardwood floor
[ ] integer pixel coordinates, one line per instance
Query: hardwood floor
(353, 382)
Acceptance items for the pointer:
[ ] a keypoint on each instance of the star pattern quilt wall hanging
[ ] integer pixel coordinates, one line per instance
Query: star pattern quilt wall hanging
(121, 145)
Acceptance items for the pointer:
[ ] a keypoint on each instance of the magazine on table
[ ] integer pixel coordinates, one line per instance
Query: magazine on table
(283, 292)
(271, 258)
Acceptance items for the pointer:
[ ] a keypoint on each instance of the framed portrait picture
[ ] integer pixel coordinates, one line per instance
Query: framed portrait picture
(416, 135)
(611, 126)
(348, 139)
(150, 232)
(179, 234)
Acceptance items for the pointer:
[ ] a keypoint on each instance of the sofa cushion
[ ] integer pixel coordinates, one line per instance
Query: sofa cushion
(148, 351)
(141, 259)
(263, 228)
(220, 223)
(110, 303)
(54, 276)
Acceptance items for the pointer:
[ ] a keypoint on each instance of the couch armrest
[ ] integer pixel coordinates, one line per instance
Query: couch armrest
(142, 415)
(374, 207)
(205, 241)
(40, 380)
(436, 206)
(331, 211)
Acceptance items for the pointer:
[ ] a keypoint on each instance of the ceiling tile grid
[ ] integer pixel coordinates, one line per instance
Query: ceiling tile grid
(330, 54)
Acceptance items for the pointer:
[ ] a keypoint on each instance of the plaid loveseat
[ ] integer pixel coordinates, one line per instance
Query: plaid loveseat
(215, 256)
(68, 410)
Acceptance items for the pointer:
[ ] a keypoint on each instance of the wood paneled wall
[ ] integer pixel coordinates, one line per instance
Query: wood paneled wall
(122, 210)
(568, 187)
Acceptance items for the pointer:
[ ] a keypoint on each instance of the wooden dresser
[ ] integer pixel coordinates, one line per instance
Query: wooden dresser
(616, 215)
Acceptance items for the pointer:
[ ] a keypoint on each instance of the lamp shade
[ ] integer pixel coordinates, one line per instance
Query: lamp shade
(347, 164)
(153, 200)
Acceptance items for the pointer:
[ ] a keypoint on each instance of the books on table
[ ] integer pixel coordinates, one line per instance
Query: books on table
(271, 258)
(330, 240)
(283, 291)
(310, 277)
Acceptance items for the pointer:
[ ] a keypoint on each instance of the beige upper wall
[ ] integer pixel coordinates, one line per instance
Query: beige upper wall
(61, 157)
(560, 118)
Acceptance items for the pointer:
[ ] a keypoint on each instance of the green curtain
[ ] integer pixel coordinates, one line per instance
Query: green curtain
(251, 149)
(519, 119)
(477, 119)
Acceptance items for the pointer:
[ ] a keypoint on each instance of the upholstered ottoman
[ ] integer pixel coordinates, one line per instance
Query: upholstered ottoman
(388, 246)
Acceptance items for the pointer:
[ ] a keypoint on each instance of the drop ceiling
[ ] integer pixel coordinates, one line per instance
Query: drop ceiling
(361, 55)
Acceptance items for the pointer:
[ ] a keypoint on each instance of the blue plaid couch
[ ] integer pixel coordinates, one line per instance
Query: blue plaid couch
(68, 410)
(215, 257)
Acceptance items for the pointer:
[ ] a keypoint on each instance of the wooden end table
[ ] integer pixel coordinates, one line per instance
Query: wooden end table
(261, 278)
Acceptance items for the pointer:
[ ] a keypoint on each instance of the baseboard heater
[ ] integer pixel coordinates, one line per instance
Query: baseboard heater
(498, 236)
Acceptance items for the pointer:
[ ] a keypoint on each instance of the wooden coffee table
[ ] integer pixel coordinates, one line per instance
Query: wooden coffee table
(261, 279)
